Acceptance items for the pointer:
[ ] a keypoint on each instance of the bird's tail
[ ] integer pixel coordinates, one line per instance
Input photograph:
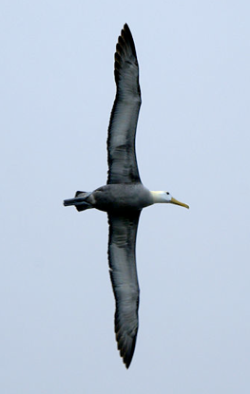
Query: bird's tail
(79, 201)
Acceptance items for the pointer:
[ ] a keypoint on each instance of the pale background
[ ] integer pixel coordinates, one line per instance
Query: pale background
(56, 301)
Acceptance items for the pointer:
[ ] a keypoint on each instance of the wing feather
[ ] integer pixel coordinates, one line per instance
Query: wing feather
(124, 116)
(123, 274)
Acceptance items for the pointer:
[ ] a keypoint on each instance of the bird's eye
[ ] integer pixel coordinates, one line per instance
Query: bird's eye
(167, 193)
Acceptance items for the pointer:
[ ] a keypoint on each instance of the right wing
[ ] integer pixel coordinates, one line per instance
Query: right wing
(123, 274)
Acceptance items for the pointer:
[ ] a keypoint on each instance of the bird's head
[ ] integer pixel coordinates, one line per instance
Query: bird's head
(162, 196)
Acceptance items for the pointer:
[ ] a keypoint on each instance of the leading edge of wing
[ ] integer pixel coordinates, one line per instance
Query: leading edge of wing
(123, 274)
(124, 116)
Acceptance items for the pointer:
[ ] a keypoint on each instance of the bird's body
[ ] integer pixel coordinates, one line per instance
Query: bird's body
(124, 196)
(114, 198)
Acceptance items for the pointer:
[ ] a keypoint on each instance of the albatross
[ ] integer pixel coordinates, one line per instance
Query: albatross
(124, 196)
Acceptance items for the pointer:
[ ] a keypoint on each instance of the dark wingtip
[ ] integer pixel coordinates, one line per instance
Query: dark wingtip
(126, 35)
(125, 341)
(125, 47)
(127, 354)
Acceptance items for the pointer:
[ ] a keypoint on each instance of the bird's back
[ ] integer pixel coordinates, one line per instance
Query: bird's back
(119, 197)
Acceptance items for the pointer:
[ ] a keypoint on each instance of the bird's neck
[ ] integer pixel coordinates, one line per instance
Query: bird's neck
(158, 197)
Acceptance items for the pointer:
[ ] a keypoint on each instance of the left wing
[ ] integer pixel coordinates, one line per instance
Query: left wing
(123, 274)
(124, 116)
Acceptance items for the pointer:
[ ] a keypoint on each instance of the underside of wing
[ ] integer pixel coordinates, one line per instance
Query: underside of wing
(124, 116)
(123, 273)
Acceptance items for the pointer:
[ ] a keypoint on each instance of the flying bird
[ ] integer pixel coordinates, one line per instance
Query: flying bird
(124, 196)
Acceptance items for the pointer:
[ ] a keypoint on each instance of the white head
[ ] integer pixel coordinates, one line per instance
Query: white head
(161, 197)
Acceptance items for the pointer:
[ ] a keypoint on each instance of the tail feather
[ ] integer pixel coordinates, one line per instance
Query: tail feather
(78, 192)
(82, 207)
(79, 201)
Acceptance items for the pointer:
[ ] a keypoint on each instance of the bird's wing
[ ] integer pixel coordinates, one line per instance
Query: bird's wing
(124, 116)
(123, 273)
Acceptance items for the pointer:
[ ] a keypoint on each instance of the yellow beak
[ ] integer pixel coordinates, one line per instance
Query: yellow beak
(174, 201)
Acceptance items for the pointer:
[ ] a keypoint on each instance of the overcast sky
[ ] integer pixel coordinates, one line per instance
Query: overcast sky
(56, 301)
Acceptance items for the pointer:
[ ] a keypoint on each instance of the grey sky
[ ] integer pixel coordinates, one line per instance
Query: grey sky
(56, 303)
